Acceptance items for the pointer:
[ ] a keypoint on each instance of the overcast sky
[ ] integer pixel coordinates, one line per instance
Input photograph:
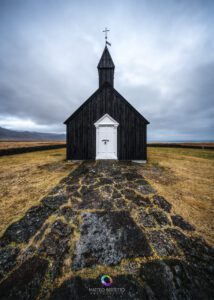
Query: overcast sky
(163, 52)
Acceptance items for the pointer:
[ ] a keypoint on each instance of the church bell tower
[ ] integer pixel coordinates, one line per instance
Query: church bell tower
(106, 65)
(106, 68)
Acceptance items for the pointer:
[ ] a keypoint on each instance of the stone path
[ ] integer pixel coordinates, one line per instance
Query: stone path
(104, 218)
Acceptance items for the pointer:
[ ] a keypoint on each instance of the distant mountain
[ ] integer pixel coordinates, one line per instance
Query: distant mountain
(6, 134)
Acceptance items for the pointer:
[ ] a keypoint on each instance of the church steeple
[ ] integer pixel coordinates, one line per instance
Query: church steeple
(106, 68)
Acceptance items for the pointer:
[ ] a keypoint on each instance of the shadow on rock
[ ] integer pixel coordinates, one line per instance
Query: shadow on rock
(26, 281)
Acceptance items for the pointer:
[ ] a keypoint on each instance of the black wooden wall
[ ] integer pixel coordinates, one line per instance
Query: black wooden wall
(81, 132)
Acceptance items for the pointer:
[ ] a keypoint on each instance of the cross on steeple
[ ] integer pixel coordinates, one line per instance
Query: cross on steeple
(106, 37)
(106, 30)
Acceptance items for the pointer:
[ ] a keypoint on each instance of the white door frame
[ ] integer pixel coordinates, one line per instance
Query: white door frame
(104, 121)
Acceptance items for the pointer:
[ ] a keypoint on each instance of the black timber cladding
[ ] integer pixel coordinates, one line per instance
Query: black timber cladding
(81, 131)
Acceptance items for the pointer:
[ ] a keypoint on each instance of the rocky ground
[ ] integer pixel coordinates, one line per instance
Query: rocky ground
(104, 218)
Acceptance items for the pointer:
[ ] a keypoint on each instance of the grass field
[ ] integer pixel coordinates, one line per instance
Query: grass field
(26, 178)
(23, 144)
(183, 176)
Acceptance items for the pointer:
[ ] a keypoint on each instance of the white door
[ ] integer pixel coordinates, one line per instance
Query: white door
(106, 142)
(106, 138)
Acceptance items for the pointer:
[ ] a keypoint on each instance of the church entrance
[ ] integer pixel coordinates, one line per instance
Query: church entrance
(106, 138)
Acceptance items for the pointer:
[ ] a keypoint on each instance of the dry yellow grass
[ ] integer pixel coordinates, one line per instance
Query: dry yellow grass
(185, 178)
(26, 178)
(25, 144)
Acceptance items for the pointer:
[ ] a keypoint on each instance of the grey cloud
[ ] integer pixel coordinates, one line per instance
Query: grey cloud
(188, 109)
(49, 51)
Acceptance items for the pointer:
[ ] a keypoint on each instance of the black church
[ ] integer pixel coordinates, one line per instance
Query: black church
(106, 125)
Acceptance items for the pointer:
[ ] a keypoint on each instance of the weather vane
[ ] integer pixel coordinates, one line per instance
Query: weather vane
(106, 37)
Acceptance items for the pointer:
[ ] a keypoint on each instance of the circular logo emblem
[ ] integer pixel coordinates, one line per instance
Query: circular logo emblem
(106, 280)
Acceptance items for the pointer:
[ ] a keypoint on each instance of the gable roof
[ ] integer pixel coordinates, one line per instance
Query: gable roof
(81, 106)
(97, 92)
(130, 106)
(106, 60)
